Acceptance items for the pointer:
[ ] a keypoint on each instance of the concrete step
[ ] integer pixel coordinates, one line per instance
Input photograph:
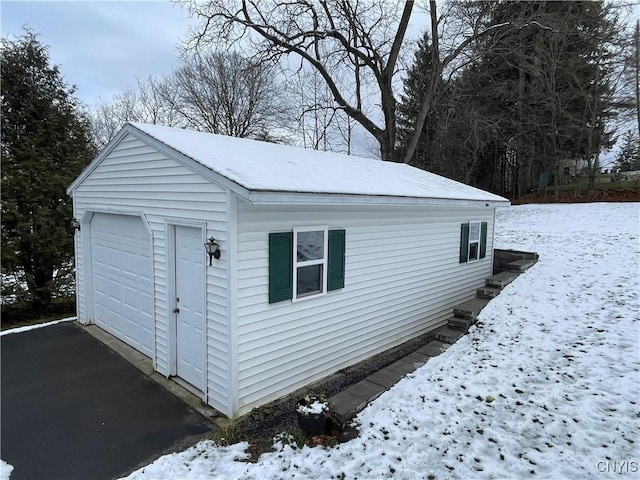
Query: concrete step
(417, 358)
(461, 324)
(386, 377)
(402, 367)
(346, 404)
(502, 259)
(521, 265)
(433, 348)
(488, 292)
(343, 406)
(470, 308)
(447, 334)
(501, 279)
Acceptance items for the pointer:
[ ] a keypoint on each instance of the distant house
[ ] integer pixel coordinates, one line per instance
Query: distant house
(323, 260)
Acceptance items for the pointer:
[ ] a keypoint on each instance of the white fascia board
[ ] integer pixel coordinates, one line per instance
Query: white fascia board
(283, 198)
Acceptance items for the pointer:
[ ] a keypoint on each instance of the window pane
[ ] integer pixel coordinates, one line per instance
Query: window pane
(309, 280)
(310, 245)
(473, 251)
(474, 231)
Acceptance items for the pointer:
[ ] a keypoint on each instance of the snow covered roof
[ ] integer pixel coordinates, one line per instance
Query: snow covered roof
(268, 168)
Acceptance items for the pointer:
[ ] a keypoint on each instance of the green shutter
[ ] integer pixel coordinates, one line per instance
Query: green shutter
(464, 242)
(335, 262)
(280, 266)
(483, 239)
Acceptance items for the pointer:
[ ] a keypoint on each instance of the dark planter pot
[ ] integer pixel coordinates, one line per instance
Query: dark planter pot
(313, 424)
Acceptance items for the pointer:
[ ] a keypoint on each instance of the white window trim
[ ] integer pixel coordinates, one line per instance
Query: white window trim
(469, 259)
(322, 261)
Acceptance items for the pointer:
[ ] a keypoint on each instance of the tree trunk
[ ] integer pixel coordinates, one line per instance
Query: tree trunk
(637, 73)
(521, 186)
(387, 147)
(40, 282)
(593, 164)
(430, 90)
(554, 153)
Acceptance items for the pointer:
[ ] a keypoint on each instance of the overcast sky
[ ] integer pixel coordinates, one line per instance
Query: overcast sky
(101, 47)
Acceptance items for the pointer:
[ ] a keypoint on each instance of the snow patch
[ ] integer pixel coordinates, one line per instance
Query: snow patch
(26, 328)
(5, 470)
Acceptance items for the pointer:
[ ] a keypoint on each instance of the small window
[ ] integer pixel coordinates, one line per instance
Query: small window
(474, 241)
(316, 257)
(310, 261)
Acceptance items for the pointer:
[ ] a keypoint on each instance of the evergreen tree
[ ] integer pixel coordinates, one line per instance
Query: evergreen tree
(428, 154)
(628, 158)
(45, 143)
(534, 94)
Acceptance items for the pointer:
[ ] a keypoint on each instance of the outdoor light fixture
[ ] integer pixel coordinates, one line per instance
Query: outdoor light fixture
(75, 224)
(213, 249)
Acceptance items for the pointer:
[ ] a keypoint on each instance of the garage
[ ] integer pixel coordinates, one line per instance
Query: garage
(195, 249)
(122, 279)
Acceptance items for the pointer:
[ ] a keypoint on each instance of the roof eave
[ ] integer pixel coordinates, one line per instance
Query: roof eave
(301, 198)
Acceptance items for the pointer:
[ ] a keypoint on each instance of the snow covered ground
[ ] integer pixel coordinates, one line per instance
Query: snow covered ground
(547, 385)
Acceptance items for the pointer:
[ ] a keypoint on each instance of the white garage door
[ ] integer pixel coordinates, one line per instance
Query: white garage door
(122, 279)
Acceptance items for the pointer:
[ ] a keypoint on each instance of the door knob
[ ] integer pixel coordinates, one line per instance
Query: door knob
(176, 310)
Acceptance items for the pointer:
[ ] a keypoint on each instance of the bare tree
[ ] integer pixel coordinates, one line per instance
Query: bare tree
(331, 36)
(362, 36)
(108, 117)
(227, 93)
(153, 105)
(147, 103)
(317, 122)
(629, 91)
(215, 92)
(636, 71)
(312, 102)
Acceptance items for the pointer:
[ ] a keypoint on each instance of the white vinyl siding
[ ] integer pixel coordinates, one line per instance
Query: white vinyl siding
(79, 272)
(402, 278)
(137, 178)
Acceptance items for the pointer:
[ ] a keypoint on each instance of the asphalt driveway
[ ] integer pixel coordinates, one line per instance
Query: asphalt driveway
(71, 408)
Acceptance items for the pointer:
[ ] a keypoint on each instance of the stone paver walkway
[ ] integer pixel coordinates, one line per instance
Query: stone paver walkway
(346, 404)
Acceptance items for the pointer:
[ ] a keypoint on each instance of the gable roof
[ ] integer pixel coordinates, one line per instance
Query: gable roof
(272, 173)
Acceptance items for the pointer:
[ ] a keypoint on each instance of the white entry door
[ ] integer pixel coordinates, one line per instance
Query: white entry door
(190, 318)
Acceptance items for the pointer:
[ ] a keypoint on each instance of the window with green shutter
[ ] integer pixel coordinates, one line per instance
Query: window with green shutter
(280, 266)
(306, 262)
(464, 243)
(335, 264)
(473, 241)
